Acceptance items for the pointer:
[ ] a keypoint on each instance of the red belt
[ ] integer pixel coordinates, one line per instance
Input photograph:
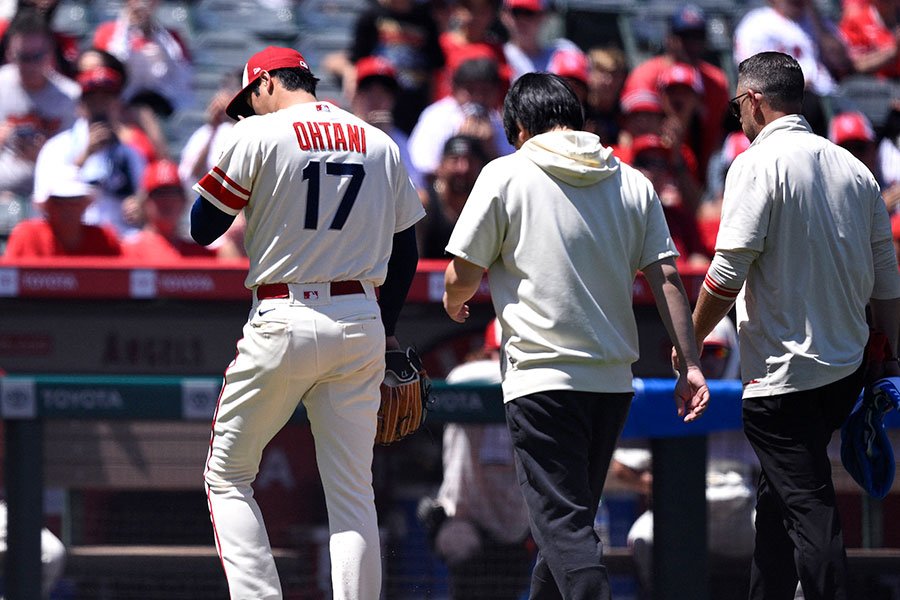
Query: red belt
(281, 290)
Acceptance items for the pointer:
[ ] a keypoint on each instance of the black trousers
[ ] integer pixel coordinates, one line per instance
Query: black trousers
(563, 443)
(798, 529)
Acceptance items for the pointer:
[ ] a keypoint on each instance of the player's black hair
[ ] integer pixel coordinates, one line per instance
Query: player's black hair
(539, 102)
(292, 78)
(777, 76)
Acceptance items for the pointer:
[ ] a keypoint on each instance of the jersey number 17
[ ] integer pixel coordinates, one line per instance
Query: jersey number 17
(311, 173)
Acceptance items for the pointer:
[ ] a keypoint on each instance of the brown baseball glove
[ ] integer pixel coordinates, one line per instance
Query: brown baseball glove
(405, 393)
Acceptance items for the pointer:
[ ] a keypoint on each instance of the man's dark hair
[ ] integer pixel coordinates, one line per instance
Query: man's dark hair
(292, 78)
(539, 102)
(475, 70)
(29, 21)
(777, 76)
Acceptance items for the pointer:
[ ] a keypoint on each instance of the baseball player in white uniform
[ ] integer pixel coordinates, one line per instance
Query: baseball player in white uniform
(330, 212)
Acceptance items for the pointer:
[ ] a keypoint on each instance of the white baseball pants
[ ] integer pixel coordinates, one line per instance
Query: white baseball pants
(328, 353)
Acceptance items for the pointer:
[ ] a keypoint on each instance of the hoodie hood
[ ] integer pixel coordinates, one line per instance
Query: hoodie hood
(576, 157)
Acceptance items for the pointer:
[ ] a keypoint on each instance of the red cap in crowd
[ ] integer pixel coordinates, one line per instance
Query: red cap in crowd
(646, 143)
(641, 100)
(735, 143)
(850, 126)
(681, 74)
(159, 174)
(375, 66)
(100, 79)
(570, 62)
(529, 5)
(269, 59)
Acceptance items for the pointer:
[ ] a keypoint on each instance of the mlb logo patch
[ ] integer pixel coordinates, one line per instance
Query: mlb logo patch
(322, 107)
(256, 70)
(311, 295)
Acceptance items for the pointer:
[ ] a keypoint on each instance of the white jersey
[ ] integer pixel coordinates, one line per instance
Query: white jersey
(323, 192)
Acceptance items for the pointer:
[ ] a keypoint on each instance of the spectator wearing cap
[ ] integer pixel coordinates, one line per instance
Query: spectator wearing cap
(853, 131)
(128, 129)
(643, 114)
(686, 43)
(92, 144)
(871, 32)
(469, 110)
(799, 30)
(405, 33)
(681, 91)
(525, 51)
(60, 231)
(37, 102)
(652, 157)
(462, 160)
(572, 65)
(471, 30)
(162, 202)
(608, 70)
(374, 99)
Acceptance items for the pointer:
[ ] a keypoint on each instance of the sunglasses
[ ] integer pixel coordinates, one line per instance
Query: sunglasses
(734, 105)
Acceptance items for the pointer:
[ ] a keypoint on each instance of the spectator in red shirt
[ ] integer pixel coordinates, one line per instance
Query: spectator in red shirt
(686, 43)
(60, 232)
(162, 203)
(871, 30)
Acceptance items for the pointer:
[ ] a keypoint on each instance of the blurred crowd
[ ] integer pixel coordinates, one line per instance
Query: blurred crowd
(83, 147)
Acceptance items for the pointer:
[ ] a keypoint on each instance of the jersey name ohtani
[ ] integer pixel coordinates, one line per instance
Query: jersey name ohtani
(325, 135)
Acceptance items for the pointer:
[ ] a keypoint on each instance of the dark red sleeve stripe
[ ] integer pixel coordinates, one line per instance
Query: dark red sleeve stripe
(217, 190)
(230, 181)
(719, 290)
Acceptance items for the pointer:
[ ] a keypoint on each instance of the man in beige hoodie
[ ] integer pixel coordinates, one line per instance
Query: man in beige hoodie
(562, 228)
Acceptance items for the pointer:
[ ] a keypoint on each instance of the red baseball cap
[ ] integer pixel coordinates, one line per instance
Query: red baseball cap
(569, 62)
(681, 74)
(375, 66)
(100, 79)
(269, 59)
(647, 142)
(529, 5)
(641, 100)
(850, 126)
(160, 173)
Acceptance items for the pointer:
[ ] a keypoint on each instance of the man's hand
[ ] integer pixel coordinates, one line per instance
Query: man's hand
(100, 135)
(459, 312)
(691, 394)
